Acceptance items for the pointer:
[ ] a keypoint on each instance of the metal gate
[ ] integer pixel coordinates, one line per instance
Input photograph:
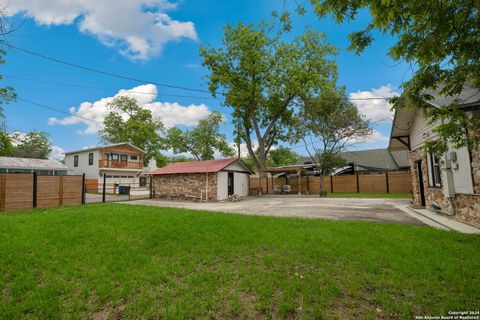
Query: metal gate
(112, 189)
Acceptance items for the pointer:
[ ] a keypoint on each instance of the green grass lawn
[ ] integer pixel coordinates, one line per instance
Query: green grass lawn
(112, 261)
(368, 195)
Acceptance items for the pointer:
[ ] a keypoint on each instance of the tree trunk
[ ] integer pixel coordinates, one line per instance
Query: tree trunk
(321, 191)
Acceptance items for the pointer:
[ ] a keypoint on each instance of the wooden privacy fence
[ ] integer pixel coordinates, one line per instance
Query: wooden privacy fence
(24, 191)
(91, 185)
(387, 182)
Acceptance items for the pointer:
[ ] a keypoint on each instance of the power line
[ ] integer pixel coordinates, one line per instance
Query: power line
(116, 75)
(79, 85)
(55, 109)
(111, 74)
(312, 143)
(101, 88)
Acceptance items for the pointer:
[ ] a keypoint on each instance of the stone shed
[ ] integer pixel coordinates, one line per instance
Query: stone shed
(213, 180)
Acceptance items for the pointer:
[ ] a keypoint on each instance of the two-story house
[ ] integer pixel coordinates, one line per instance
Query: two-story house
(447, 183)
(120, 163)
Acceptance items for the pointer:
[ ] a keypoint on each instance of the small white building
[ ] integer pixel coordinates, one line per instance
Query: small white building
(120, 163)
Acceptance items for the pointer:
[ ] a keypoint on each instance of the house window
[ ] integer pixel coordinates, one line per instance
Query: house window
(114, 157)
(435, 174)
(123, 158)
(134, 157)
(90, 159)
(75, 161)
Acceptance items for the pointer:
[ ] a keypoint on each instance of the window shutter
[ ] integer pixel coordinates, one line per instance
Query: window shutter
(429, 170)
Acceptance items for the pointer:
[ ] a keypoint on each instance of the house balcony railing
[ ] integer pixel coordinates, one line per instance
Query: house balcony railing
(120, 164)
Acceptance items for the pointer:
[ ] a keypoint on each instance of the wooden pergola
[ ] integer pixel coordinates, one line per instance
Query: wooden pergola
(295, 169)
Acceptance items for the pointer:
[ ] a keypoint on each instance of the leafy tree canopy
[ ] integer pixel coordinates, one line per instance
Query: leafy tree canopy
(34, 144)
(440, 38)
(201, 141)
(7, 94)
(332, 123)
(263, 77)
(163, 160)
(128, 122)
(282, 156)
(6, 147)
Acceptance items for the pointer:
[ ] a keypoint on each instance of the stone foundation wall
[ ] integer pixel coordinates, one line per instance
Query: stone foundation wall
(465, 207)
(184, 186)
(468, 208)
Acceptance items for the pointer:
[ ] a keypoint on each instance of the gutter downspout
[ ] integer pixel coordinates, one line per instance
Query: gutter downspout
(206, 186)
(448, 186)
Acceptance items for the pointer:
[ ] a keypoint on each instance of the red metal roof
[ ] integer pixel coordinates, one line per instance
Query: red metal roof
(195, 166)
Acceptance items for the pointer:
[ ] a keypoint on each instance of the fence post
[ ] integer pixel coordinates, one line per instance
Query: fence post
(151, 186)
(104, 187)
(129, 187)
(83, 188)
(331, 182)
(358, 183)
(388, 184)
(3, 190)
(35, 180)
(60, 191)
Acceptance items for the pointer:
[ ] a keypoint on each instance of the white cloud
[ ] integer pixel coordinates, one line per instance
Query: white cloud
(139, 29)
(374, 137)
(377, 110)
(57, 153)
(192, 65)
(16, 137)
(243, 148)
(171, 114)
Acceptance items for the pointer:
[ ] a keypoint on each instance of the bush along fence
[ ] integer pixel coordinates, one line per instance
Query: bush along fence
(20, 191)
(387, 182)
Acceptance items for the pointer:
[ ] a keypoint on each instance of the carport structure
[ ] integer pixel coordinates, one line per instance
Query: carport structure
(300, 170)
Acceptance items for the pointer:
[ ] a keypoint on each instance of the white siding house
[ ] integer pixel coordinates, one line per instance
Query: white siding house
(119, 163)
(447, 183)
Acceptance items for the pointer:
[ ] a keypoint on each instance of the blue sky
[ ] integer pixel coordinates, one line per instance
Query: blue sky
(128, 41)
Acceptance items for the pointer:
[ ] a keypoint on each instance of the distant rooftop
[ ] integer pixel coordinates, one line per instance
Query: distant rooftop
(102, 147)
(371, 160)
(31, 164)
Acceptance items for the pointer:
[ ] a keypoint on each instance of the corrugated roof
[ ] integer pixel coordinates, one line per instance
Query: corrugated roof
(107, 146)
(29, 163)
(204, 166)
(376, 159)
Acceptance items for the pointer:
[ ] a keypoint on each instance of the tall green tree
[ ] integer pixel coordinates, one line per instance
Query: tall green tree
(6, 147)
(282, 156)
(128, 122)
(7, 94)
(163, 160)
(263, 77)
(201, 141)
(34, 144)
(440, 38)
(328, 124)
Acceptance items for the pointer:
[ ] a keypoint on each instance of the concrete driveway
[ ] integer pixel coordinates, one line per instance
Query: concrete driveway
(360, 209)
